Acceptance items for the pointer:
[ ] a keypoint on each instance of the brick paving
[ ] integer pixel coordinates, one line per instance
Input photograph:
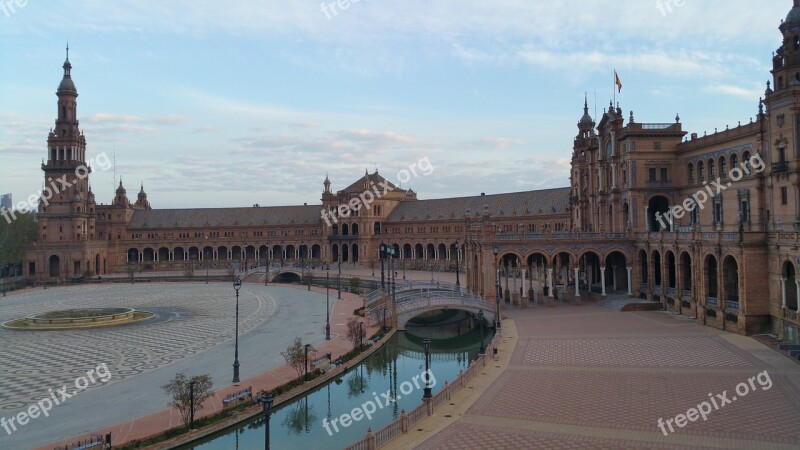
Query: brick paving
(590, 377)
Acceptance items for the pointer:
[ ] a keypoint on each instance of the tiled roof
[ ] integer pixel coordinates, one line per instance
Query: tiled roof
(375, 178)
(225, 217)
(548, 201)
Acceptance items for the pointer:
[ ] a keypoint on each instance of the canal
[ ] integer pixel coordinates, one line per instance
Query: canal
(393, 371)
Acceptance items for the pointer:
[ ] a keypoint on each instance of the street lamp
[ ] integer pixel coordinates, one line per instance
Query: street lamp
(458, 283)
(482, 351)
(339, 277)
(191, 403)
(266, 401)
(266, 270)
(237, 284)
(305, 360)
(327, 305)
(497, 284)
(426, 344)
(381, 255)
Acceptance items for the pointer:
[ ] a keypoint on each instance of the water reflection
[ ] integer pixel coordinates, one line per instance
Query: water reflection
(299, 424)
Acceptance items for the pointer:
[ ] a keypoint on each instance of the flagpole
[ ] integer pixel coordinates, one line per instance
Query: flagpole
(614, 89)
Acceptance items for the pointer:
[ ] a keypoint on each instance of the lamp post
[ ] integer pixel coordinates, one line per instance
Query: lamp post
(339, 277)
(361, 335)
(497, 285)
(305, 360)
(191, 403)
(480, 319)
(327, 305)
(458, 283)
(237, 284)
(426, 344)
(381, 255)
(266, 401)
(3, 271)
(266, 269)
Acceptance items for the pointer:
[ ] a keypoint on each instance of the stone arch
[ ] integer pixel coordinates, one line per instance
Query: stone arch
(55, 266)
(788, 278)
(710, 270)
(730, 279)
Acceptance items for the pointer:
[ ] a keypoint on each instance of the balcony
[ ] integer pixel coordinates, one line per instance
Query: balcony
(711, 302)
(732, 305)
(671, 291)
(338, 237)
(686, 294)
(780, 167)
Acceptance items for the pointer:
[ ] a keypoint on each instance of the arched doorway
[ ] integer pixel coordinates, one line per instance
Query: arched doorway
(789, 273)
(730, 275)
(355, 253)
(686, 274)
(616, 272)
(643, 272)
(657, 214)
(712, 291)
(55, 266)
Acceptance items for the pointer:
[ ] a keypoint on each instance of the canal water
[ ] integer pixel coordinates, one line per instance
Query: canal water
(389, 372)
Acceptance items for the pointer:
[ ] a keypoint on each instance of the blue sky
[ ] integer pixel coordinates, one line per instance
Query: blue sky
(212, 103)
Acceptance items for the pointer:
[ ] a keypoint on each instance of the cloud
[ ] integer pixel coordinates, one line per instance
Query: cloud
(753, 92)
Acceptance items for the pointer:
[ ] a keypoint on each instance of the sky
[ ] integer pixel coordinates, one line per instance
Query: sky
(214, 104)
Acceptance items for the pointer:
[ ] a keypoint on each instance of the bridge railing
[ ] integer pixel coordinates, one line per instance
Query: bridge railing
(413, 285)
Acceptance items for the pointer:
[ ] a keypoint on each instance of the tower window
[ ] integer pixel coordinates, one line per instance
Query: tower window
(797, 42)
(784, 196)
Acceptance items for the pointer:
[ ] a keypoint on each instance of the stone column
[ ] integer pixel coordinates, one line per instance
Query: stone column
(550, 281)
(603, 279)
(577, 284)
(630, 281)
(783, 292)
(614, 276)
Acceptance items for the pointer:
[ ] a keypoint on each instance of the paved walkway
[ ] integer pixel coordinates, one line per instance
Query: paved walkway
(194, 334)
(578, 377)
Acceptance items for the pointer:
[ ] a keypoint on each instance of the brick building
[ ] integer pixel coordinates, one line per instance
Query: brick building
(707, 225)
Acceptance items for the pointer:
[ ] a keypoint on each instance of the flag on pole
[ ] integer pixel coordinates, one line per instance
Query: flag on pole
(617, 81)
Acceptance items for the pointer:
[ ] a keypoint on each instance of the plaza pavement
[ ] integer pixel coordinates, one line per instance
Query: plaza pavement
(194, 334)
(588, 377)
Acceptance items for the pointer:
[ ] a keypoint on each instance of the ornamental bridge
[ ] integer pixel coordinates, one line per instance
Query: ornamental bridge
(407, 299)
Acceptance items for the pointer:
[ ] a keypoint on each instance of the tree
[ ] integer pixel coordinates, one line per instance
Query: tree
(355, 331)
(15, 233)
(355, 283)
(179, 392)
(295, 355)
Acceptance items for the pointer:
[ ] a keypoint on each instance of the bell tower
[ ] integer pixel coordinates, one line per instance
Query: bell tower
(66, 206)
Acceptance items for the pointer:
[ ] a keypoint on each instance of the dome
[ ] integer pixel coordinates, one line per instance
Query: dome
(794, 14)
(586, 119)
(67, 85)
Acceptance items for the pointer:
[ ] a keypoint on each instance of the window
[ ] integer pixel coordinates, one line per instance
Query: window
(690, 171)
(723, 168)
(734, 161)
(651, 174)
(717, 209)
(784, 196)
(701, 173)
(711, 173)
(663, 174)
